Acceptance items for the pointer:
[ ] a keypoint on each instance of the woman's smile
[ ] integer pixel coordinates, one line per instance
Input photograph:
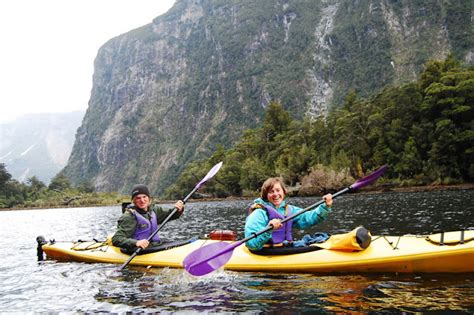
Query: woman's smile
(276, 195)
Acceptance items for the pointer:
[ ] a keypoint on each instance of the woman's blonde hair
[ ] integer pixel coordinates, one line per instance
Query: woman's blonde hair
(268, 184)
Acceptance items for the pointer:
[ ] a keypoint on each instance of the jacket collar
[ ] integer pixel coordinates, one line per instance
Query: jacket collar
(267, 203)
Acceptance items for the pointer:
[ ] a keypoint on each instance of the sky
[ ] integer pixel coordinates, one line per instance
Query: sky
(49, 47)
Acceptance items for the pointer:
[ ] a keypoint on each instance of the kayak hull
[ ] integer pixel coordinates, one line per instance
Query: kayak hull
(400, 254)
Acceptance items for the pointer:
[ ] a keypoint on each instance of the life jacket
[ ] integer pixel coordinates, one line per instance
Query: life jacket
(282, 234)
(145, 227)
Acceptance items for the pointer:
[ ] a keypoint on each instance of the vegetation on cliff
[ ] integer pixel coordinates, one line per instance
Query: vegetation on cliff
(422, 130)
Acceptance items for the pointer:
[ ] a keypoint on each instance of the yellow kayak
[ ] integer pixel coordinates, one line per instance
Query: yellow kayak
(447, 252)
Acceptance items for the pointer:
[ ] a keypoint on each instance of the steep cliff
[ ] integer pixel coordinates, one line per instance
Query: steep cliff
(169, 92)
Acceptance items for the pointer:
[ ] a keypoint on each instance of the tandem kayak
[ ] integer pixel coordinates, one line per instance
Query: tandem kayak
(447, 252)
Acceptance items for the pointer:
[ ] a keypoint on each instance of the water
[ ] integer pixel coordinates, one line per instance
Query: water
(49, 286)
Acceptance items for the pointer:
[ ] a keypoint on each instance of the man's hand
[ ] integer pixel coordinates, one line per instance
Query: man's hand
(179, 205)
(142, 243)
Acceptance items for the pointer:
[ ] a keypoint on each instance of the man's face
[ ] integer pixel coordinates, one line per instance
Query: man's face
(142, 201)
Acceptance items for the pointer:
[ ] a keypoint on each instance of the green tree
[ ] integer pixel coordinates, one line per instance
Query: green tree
(253, 174)
(447, 111)
(230, 174)
(410, 163)
(35, 183)
(86, 187)
(4, 177)
(35, 187)
(276, 121)
(351, 130)
(60, 182)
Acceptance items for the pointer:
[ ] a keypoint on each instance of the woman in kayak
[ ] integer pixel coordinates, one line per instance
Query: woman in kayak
(271, 208)
(141, 219)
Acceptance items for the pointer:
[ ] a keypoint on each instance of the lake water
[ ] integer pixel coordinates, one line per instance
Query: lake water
(31, 286)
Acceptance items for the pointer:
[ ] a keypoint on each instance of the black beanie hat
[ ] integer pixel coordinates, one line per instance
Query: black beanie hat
(140, 189)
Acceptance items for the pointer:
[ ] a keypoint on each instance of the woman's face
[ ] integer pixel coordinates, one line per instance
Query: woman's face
(142, 201)
(276, 195)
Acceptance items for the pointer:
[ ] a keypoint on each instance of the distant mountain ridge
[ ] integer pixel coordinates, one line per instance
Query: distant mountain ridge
(171, 91)
(38, 144)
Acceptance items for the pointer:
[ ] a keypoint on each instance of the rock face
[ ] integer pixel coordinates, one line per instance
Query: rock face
(171, 91)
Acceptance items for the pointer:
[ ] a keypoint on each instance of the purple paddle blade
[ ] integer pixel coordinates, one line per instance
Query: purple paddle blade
(208, 258)
(369, 178)
(210, 174)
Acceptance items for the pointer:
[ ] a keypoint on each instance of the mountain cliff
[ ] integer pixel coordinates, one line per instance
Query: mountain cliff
(169, 92)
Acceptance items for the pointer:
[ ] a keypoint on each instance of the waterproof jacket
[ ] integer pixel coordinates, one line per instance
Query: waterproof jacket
(258, 220)
(127, 225)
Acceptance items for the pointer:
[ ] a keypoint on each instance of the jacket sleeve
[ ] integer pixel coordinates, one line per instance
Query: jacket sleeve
(310, 218)
(255, 222)
(125, 229)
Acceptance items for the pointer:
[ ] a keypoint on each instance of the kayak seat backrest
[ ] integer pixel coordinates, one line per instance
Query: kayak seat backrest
(126, 205)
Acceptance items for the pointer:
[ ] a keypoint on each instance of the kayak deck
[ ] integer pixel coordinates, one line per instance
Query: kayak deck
(403, 254)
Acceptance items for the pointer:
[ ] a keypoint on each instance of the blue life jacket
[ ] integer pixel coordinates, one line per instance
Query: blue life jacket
(145, 227)
(285, 233)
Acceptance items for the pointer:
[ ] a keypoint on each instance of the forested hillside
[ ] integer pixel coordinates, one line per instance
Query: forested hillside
(422, 130)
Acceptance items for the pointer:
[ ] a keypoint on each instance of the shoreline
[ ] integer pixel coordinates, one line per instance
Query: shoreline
(368, 190)
(391, 188)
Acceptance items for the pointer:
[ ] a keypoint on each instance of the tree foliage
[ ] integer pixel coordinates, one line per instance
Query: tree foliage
(35, 194)
(423, 130)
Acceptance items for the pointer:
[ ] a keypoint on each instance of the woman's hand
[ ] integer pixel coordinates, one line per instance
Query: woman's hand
(276, 223)
(328, 199)
(142, 243)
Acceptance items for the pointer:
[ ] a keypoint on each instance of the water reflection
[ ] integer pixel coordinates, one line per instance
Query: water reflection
(426, 293)
(170, 289)
(173, 290)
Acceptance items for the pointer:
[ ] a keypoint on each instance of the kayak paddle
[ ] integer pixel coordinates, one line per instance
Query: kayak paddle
(208, 176)
(212, 256)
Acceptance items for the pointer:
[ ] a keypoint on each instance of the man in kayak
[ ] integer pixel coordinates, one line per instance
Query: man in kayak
(141, 219)
(271, 208)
